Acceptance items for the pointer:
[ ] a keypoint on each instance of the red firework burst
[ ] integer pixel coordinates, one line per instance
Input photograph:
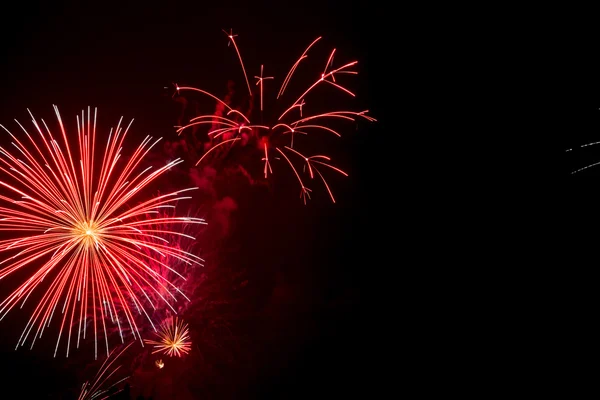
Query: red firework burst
(70, 223)
(273, 140)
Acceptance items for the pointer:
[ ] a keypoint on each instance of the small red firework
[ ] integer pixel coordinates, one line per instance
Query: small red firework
(174, 338)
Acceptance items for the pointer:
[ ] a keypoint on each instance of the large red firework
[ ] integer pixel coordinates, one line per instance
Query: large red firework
(71, 222)
(275, 140)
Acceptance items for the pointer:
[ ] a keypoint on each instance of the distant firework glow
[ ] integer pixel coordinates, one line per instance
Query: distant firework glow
(275, 140)
(72, 220)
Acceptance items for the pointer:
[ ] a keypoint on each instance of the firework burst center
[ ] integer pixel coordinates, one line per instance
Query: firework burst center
(88, 232)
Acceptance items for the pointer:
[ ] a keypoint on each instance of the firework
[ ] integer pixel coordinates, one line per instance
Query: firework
(96, 388)
(71, 224)
(174, 338)
(170, 268)
(275, 141)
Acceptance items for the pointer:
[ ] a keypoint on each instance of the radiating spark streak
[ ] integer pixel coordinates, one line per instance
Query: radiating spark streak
(300, 106)
(218, 132)
(589, 166)
(349, 115)
(341, 88)
(347, 72)
(589, 144)
(306, 159)
(229, 124)
(260, 82)
(330, 166)
(323, 78)
(304, 191)
(329, 61)
(76, 227)
(586, 145)
(267, 163)
(223, 120)
(291, 130)
(231, 36)
(203, 120)
(174, 338)
(319, 127)
(208, 94)
(289, 75)
(215, 146)
(96, 387)
(326, 185)
(240, 114)
(312, 168)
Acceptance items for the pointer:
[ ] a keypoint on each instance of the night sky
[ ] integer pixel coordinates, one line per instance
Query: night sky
(303, 310)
